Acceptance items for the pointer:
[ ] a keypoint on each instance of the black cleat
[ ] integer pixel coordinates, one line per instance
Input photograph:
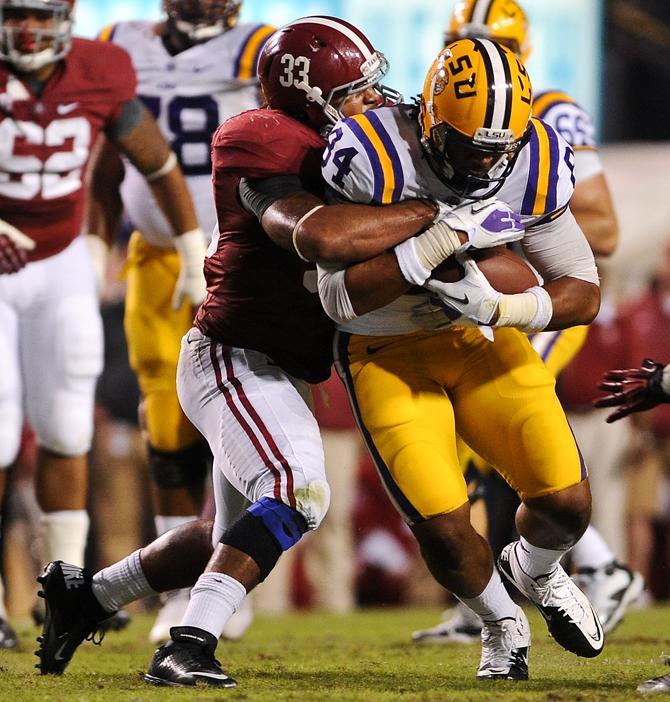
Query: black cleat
(8, 638)
(187, 660)
(72, 615)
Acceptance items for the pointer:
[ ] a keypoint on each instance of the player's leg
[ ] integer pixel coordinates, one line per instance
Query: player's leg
(611, 586)
(61, 357)
(178, 455)
(534, 449)
(408, 424)
(77, 603)
(11, 420)
(264, 436)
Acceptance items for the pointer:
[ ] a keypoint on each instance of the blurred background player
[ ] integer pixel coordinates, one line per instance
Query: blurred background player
(195, 69)
(630, 391)
(57, 94)
(610, 585)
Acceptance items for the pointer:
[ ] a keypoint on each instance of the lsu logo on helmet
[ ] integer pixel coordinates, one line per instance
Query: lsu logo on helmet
(503, 21)
(475, 111)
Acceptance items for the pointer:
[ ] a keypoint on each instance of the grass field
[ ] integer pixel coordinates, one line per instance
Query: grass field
(365, 656)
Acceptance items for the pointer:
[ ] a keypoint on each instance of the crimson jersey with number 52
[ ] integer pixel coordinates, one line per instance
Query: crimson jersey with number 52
(46, 140)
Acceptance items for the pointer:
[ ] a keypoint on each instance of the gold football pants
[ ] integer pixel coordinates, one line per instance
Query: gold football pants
(413, 394)
(154, 331)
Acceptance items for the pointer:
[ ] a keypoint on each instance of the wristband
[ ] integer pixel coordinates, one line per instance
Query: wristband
(530, 311)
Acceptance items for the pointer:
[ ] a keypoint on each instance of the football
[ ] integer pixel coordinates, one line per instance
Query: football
(507, 272)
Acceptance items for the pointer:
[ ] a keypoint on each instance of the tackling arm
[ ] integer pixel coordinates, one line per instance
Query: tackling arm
(634, 389)
(342, 233)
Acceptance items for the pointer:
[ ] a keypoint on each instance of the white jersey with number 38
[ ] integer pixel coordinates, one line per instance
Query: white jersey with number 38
(189, 94)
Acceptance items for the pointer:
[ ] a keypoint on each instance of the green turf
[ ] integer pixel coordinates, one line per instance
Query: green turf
(365, 656)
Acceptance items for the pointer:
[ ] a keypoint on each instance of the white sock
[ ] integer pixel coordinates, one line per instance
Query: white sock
(494, 603)
(536, 561)
(121, 583)
(214, 600)
(65, 535)
(165, 523)
(591, 551)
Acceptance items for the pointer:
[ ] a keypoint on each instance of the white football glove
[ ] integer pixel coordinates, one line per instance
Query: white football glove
(486, 223)
(191, 282)
(470, 302)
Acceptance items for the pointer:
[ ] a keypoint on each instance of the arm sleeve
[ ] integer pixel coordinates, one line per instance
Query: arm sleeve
(559, 249)
(257, 194)
(334, 296)
(587, 165)
(130, 115)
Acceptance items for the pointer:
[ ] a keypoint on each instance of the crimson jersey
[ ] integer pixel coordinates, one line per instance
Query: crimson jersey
(260, 296)
(46, 141)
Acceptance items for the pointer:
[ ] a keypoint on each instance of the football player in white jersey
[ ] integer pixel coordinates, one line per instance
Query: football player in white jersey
(416, 371)
(195, 69)
(610, 585)
(57, 94)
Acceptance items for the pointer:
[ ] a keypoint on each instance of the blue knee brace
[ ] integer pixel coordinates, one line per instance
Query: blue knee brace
(264, 531)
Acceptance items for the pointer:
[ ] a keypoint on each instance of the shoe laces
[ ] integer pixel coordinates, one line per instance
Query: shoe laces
(96, 636)
(557, 590)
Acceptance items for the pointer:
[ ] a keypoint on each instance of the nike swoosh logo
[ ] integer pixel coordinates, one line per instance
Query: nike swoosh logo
(66, 109)
(463, 300)
(57, 655)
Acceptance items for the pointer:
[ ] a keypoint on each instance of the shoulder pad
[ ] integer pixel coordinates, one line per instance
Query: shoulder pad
(362, 162)
(567, 117)
(550, 164)
(91, 59)
(260, 143)
(107, 33)
(249, 49)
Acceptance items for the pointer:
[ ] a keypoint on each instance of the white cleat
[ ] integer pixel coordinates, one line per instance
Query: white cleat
(459, 625)
(236, 627)
(611, 590)
(169, 615)
(505, 645)
(571, 619)
(659, 684)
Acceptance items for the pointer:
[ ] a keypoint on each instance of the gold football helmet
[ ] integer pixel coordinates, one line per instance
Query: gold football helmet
(475, 115)
(503, 21)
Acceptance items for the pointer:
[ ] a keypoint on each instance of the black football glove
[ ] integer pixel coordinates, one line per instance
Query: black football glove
(632, 390)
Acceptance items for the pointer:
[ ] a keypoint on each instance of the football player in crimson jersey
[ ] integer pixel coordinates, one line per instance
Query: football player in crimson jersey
(610, 585)
(57, 94)
(260, 338)
(189, 94)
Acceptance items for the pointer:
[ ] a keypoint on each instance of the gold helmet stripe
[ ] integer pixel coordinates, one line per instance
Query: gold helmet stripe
(499, 84)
